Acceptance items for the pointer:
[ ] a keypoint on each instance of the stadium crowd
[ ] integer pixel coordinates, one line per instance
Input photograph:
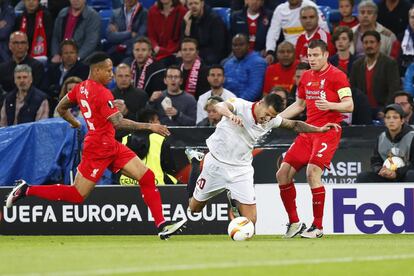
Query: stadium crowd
(172, 56)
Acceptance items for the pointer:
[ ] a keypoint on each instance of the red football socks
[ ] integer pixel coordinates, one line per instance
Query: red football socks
(56, 192)
(151, 196)
(318, 203)
(288, 195)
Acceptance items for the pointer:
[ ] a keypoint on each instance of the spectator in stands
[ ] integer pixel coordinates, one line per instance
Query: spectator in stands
(67, 86)
(127, 23)
(281, 73)
(147, 73)
(207, 27)
(253, 21)
(367, 16)
(59, 72)
(244, 71)
(375, 74)
(397, 140)
(405, 100)
(37, 23)
(216, 80)
(153, 149)
(194, 72)
(174, 106)
(343, 59)
(361, 114)
(286, 19)
(18, 45)
(407, 44)
(80, 23)
(213, 117)
(300, 69)
(345, 9)
(309, 20)
(393, 15)
(26, 103)
(135, 99)
(164, 28)
(129, 99)
(7, 18)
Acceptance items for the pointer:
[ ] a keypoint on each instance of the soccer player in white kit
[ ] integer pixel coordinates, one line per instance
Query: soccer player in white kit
(228, 165)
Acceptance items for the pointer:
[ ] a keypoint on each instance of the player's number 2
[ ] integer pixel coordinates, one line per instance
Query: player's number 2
(87, 114)
(324, 147)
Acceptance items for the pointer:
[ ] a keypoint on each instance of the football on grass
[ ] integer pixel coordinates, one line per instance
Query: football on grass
(241, 229)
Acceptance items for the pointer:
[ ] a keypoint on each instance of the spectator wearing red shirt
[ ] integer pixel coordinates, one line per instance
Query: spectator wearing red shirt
(345, 9)
(164, 27)
(282, 73)
(343, 59)
(310, 22)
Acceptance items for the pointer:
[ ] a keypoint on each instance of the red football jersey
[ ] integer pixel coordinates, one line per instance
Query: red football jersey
(332, 85)
(301, 50)
(95, 102)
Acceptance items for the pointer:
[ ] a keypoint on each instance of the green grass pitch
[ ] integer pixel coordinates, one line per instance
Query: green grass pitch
(206, 255)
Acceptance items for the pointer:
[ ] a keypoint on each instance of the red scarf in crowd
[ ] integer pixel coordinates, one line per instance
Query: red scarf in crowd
(141, 81)
(136, 10)
(39, 43)
(191, 83)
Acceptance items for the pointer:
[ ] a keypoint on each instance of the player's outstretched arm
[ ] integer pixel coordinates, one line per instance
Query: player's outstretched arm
(294, 109)
(63, 108)
(119, 122)
(300, 126)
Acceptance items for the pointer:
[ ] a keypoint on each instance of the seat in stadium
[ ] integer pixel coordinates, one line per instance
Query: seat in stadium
(105, 18)
(225, 14)
(333, 4)
(147, 3)
(100, 4)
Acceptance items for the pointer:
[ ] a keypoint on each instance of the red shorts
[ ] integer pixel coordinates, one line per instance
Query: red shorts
(96, 159)
(313, 148)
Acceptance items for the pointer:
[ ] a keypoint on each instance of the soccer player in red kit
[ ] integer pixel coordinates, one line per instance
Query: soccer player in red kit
(101, 150)
(325, 92)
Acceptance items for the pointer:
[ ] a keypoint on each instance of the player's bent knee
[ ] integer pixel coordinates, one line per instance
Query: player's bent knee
(282, 175)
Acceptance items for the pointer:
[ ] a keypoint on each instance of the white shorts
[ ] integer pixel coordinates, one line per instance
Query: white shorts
(217, 176)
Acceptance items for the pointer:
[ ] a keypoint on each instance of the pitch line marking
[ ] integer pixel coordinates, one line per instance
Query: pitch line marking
(185, 267)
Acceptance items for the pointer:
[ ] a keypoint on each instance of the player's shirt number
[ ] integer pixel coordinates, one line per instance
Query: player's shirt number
(87, 114)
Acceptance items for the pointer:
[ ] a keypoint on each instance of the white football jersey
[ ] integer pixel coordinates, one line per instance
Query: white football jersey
(233, 144)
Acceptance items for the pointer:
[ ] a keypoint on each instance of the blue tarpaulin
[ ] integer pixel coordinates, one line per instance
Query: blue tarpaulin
(41, 153)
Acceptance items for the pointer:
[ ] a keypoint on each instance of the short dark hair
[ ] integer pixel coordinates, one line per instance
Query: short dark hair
(274, 101)
(189, 40)
(96, 58)
(146, 115)
(173, 67)
(242, 35)
(216, 66)
(371, 33)
(144, 39)
(403, 93)
(350, 1)
(70, 42)
(303, 66)
(318, 43)
(340, 30)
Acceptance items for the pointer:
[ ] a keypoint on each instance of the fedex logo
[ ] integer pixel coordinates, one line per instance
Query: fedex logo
(369, 217)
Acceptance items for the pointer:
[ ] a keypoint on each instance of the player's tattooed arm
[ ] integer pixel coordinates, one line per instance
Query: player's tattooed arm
(63, 108)
(299, 126)
(119, 122)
